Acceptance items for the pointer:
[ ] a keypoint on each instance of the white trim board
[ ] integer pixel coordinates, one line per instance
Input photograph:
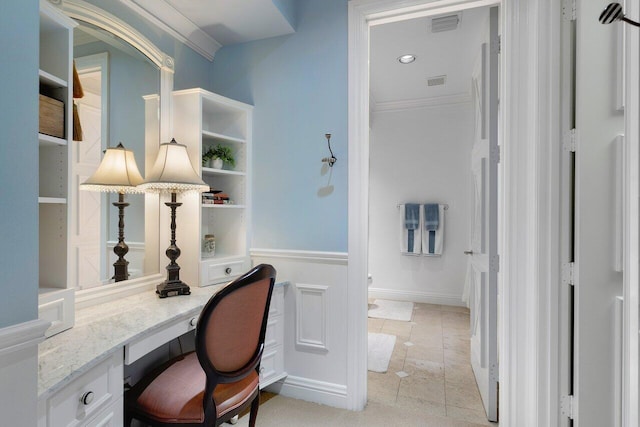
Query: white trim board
(23, 335)
(317, 256)
(421, 297)
(433, 102)
(312, 391)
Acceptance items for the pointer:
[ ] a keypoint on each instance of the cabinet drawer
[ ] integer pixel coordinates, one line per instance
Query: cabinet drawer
(271, 367)
(135, 350)
(213, 272)
(111, 416)
(86, 396)
(274, 335)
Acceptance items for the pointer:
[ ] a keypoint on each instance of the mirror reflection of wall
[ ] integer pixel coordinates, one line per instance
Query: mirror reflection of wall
(115, 76)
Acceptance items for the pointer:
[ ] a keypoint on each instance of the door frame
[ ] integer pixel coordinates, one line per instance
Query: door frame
(529, 271)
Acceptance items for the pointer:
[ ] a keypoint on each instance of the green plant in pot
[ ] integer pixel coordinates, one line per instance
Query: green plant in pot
(220, 154)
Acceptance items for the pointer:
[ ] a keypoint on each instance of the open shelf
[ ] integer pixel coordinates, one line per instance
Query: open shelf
(227, 206)
(52, 200)
(51, 140)
(212, 171)
(218, 137)
(51, 80)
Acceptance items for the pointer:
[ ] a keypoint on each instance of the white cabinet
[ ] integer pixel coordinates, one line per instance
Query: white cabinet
(202, 120)
(56, 301)
(93, 399)
(272, 365)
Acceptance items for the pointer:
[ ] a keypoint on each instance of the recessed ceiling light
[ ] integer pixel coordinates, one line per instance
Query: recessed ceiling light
(407, 59)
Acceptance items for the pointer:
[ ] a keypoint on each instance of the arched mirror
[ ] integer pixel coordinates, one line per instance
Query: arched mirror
(126, 83)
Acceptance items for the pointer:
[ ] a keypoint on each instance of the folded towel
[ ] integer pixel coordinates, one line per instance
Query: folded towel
(431, 216)
(410, 230)
(433, 240)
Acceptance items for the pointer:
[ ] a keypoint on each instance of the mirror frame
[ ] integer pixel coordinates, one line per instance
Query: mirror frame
(84, 11)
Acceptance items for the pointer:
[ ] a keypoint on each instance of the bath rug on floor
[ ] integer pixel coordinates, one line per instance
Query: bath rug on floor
(379, 353)
(393, 310)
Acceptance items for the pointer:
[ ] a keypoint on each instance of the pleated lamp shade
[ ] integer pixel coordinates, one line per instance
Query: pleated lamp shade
(173, 172)
(117, 173)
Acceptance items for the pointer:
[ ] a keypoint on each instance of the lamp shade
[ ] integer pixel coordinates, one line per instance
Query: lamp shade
(117, 173)
(173, 171)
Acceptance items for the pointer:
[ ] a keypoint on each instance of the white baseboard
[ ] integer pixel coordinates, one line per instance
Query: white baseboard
(309, 256)
(312, 391)
(422, 297)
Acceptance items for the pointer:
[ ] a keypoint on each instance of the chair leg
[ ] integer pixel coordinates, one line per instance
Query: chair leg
(254, 411)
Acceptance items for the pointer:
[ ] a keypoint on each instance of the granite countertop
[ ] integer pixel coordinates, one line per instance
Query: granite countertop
(103, 329)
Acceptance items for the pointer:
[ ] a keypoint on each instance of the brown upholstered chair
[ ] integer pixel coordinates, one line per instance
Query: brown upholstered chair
(221, 378)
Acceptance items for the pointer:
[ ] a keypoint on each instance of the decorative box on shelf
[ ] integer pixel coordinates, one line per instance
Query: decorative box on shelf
(51, 116)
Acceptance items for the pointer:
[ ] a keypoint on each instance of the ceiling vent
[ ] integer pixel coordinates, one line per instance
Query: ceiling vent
(445, 23)
(436, 81)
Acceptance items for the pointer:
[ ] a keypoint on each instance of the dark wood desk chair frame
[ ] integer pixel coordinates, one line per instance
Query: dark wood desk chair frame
(262, 275)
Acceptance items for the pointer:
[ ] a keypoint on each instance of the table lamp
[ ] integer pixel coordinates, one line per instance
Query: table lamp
(173, 173)
(117, 173)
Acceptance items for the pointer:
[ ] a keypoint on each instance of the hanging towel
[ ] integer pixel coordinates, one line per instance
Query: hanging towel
(431, 221)
(410, 229)
(433, 240)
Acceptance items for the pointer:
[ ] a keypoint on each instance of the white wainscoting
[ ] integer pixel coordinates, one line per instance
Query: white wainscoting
(19, 372)
(315, 336)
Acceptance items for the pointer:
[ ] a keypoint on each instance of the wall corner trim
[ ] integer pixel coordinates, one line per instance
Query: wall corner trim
(23, 335)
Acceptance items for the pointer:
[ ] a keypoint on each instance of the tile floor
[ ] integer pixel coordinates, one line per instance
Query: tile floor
(433, 349)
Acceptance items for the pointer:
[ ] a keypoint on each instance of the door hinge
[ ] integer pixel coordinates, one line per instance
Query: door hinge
(567, 406)
(495, 154)
(570, 140)
(568, 273)
(494, 263)
(569, 10)
(496, 45)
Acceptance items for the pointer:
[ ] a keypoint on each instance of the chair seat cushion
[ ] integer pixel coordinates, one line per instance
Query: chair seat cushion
(175, 394)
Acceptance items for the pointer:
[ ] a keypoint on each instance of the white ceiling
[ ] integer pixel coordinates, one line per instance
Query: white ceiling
(206, 25)
(234, 21)
(451, 53)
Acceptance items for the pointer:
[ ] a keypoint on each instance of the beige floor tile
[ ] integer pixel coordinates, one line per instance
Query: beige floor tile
(431, 390)
(455, 320)
(382, 387)
(416, 403)
(456, 356)
(461, 374)
(456, 332)
(462, 396)
(422, 352)
(402, 330)
(428, 307)
(455, 308)
(424, 369)
(456, 343)
(432, 339)
(471, 415)
(375, 325)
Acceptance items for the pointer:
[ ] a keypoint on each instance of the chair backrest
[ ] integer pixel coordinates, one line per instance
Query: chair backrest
(231, 328)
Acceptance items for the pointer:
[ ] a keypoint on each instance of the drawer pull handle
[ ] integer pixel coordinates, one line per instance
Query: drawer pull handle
(87, 398)
(193, 322)
(227, 271)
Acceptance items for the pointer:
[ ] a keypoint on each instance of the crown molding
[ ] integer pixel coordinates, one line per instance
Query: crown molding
(409, 104)
(167, 18)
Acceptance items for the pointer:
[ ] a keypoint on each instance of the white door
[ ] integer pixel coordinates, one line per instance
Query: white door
(483, 254)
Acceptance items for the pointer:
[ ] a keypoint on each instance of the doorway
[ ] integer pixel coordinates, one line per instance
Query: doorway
(429, 102)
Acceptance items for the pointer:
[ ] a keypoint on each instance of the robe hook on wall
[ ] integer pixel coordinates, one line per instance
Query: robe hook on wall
(330, 160)
(612, 13)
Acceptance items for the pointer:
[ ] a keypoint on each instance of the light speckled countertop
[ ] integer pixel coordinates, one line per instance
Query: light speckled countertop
(103, 329)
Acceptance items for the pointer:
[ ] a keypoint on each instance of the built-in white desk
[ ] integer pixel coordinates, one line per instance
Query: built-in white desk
(80, 375)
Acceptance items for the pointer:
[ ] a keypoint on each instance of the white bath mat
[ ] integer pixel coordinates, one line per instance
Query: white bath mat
(393, 310)
(380, 349)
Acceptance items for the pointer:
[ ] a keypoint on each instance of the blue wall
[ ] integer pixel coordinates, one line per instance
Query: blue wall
(19, 22)
(298, 85)
(288, 9)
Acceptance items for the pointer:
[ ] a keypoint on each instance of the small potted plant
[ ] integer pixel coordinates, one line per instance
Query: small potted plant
(221, 154)
(206, 157)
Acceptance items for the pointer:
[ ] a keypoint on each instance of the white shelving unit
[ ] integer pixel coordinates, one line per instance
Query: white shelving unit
(55, 299)
(203, 119)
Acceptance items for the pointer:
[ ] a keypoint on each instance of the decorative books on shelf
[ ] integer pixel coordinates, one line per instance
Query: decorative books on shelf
(215, 197)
